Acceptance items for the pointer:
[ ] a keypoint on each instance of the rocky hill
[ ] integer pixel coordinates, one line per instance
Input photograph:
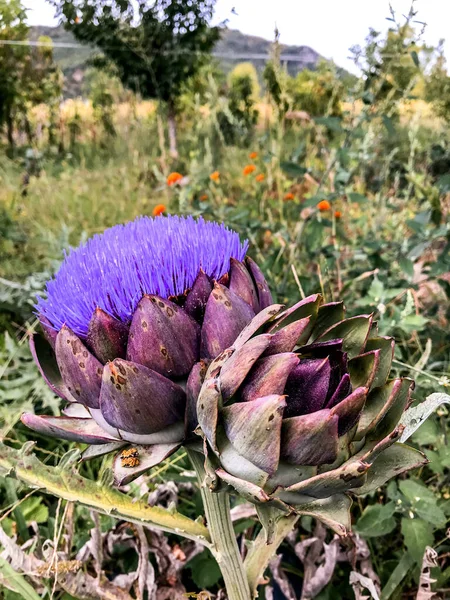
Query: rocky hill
(234, 47)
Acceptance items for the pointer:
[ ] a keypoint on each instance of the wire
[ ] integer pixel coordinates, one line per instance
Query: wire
(231, 56)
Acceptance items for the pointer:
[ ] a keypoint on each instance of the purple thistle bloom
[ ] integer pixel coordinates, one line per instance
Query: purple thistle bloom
(113, 270)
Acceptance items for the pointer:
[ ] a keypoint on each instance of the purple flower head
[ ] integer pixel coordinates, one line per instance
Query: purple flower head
(113, 270)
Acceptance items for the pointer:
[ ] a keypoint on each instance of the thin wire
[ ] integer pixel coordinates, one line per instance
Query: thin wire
(231, 56)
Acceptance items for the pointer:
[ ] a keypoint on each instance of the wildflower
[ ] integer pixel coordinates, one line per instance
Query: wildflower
(289, 196)
(324, 205)
(248, 169)
(337, 214)
(253, 155)
(159, 210)
(260, 177)
(215, 176)
(174, 178)
(203, 197)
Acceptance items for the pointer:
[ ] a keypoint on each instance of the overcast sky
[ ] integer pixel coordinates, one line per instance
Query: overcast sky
(328, 26)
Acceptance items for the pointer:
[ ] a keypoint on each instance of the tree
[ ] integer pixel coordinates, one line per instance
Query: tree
(28, 75)
(438, 86)
(13, 28)
(155, 46)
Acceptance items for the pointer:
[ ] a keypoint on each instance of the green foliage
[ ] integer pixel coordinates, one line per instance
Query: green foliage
(28, 76)
(438, 88)
(317, 92)
(240, 118)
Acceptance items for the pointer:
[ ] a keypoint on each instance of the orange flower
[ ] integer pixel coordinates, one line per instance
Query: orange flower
(289, 196)
(203, 197)
(215, 176)
(248, 169)
(174, 178)
(324, 205)
(159, 210)
(337, 214)
(260, 177)
(253, 155)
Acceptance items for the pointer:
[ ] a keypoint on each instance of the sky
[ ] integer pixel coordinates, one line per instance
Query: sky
(330, 27)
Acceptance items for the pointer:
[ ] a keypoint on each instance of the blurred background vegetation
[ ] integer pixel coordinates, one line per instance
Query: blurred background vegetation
(341, 184)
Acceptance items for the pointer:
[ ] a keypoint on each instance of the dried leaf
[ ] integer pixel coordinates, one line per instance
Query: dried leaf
(360, 582)
(425, 581)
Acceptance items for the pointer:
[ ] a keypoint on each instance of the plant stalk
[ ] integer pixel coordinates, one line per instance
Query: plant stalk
(66, 483)
(224, 545)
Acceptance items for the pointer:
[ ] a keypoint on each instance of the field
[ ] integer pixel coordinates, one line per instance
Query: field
(354, 206)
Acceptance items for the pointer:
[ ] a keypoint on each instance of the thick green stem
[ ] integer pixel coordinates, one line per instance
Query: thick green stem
(224, 545)
(66, 483)
(260, 553)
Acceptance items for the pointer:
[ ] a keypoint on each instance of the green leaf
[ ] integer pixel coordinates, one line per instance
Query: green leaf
(292, 169)
(387, 122)
(413, 323)
(423, 502)
(376, 290)
(415, 58)
(444, 184)
(331, 123)
(406, 265)
(398, 575)
(17, 581)
(357, 198)
(205, 570)
(376, 520)
(417, 535)
(34, 509)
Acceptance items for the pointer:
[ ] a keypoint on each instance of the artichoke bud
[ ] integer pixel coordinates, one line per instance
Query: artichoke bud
(315, 420)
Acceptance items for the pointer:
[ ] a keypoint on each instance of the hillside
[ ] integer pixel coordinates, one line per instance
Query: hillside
(230, 50)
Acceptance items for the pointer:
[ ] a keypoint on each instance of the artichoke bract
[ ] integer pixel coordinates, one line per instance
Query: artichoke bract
(300, 410)
(131, 321)
(162, 330)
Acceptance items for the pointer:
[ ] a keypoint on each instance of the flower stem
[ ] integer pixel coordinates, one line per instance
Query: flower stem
(66, 483)
(224, 545)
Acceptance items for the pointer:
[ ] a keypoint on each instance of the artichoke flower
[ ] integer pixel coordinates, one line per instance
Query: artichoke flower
(162, 330)
(130, 321)
(300, 410)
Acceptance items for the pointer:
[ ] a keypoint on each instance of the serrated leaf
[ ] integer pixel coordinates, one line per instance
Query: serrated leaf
(417, 535)
(376, 520)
